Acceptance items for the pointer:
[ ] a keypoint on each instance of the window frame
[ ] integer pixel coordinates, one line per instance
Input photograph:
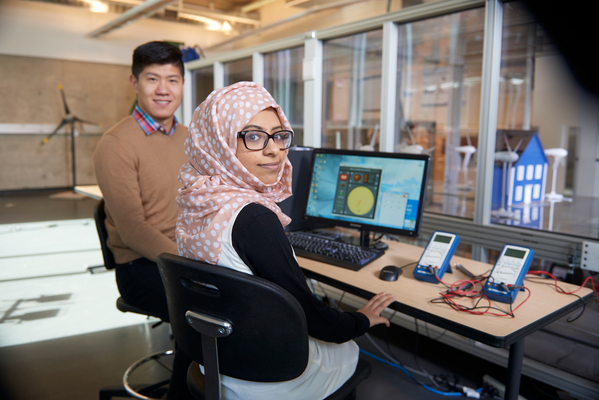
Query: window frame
(480, 232)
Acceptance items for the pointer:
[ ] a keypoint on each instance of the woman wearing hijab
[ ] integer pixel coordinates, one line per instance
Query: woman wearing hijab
(228, 215)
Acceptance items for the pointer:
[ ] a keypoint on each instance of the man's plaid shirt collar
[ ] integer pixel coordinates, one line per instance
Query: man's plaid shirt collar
(148, 125)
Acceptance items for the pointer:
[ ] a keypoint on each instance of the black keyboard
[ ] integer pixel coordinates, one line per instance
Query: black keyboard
(331, 251)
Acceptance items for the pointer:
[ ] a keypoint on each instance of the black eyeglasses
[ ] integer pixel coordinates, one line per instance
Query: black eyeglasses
(258, 140)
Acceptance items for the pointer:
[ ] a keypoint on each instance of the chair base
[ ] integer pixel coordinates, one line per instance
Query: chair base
(135, 392)
(108, 392)
(195, 381)
(154, 391)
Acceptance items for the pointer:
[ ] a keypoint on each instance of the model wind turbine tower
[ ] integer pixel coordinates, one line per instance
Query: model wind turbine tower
(467, 152)
(559, 155)
(69, 119)
(507, 158)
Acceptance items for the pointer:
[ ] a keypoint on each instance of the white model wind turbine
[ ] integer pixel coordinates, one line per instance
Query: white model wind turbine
(507, 158)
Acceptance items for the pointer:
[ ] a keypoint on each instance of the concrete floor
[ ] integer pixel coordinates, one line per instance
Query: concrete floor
(61, 336)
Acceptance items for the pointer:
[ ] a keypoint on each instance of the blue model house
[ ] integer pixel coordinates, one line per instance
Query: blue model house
(527, 176)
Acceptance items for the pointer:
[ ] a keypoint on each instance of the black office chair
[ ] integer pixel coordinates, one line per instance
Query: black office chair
(127, 390)
(249, 328)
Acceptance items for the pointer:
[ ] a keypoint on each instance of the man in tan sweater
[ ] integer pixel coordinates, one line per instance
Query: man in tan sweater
(136, 163)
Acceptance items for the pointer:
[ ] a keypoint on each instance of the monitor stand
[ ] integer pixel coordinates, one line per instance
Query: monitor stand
(363, 240)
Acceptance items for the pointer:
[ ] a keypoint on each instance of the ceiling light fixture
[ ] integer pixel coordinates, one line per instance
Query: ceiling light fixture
(146, 9)
(211, 25)
(98, 7)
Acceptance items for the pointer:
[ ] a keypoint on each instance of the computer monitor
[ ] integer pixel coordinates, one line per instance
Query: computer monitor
(369, 191)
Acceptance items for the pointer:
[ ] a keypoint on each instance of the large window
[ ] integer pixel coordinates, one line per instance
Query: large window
(352, 91)
(283, 79)
(444, 108)
(545, 171)
(438, 97)
(237, 71)
(203, 84)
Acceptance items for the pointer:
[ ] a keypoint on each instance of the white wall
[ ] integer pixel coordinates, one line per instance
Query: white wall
(58, 32)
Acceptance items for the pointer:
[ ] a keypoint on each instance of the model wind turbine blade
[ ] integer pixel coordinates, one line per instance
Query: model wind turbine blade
(64, 100)
(429, 150)
(83, 121)
(374, 135)
(518, 146)
(509, 149)
(410, 133)
(466, 161)
(507, 156)
(47, 138)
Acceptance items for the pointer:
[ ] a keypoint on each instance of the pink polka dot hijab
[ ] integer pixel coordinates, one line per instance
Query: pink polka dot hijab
(216, 184)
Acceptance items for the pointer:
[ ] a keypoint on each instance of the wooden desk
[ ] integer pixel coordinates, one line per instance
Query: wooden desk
(544, 306)
(92, 191)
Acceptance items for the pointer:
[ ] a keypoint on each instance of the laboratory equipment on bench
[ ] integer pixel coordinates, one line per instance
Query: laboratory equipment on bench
(434, 261)
(508, 273)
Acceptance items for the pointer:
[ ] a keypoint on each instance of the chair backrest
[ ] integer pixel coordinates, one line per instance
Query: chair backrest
(100, 218)
(269, 338)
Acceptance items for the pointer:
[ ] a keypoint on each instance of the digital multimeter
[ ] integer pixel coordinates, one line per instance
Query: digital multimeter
(436, 256)
(509, 270)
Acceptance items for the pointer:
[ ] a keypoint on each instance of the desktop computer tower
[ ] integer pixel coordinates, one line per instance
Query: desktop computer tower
(294, 206)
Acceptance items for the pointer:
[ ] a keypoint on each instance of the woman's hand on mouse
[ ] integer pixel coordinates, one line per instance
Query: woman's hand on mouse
(375, 307)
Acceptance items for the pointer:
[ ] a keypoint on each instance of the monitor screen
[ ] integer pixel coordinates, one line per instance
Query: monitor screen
(370, 191)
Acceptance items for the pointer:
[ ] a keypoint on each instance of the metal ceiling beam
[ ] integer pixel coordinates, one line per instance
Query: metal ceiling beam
(255, 5)
(206, 12)
(144, 10)
(202, 11)
(302, 14)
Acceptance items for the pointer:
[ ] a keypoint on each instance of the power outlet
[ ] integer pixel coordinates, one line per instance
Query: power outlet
(589, 258)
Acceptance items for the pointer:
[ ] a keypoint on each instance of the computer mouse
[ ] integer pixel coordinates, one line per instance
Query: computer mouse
(390, 273)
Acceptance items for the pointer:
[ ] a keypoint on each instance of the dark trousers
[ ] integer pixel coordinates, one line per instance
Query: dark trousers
(140, 285)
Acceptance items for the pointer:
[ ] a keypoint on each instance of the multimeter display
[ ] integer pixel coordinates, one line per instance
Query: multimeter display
(442, 239)
(436, 256)
(510, 269)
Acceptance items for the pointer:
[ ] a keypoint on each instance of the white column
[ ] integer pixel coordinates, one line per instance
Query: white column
(389, 86)
(488, 117)
(258, 68)
(187, 102)
(312, 76)
(219, 75)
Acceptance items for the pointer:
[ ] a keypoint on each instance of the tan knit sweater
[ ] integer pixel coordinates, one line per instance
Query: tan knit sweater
(138, 178)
